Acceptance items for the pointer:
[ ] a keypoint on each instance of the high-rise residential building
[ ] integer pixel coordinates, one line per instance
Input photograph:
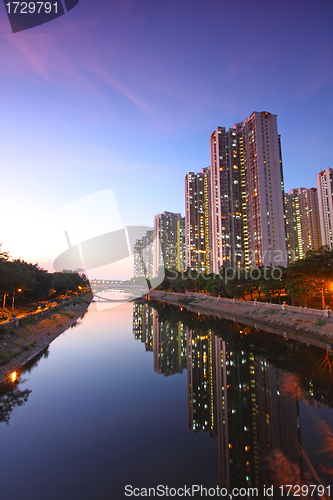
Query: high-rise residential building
(138, 260)
(143, 256)
(244, 222)
(169, 247)
(148, 253)
(260, 163)
(226, 201)
(325, 202)
(314, 231)
(197, 221)
(302, 222)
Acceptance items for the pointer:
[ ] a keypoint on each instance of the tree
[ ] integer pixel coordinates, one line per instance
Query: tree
(236, 283)
(311, 276)
(272, 282)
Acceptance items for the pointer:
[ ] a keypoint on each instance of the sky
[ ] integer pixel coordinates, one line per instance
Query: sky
(124, 95)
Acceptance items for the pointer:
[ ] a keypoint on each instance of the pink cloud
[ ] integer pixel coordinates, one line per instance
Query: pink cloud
(58, 61)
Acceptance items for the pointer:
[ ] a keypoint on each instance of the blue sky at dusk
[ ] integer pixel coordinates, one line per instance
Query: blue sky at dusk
(125, 95)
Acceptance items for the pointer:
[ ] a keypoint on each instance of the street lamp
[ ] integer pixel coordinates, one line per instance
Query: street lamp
(19, 290)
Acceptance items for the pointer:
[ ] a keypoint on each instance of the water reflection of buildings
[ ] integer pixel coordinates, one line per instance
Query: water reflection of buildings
(143, 317)
(167, 341)
(235, 396)
(200, 381)
(253, 417)
(169, 347)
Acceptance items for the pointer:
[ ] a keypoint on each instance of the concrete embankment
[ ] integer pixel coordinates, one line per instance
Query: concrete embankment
(21, 344)
(305, 325)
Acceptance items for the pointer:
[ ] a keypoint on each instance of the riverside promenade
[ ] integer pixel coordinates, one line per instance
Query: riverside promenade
(20, 344)
(313, 326)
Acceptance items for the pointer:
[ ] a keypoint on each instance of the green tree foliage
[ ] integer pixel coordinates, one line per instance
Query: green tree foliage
(304, 281)
(272, 282)
(67, 281)
(33, 283)
(311, 277)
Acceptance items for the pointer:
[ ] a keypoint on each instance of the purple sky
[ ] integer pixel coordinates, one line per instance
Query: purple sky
(125, 95)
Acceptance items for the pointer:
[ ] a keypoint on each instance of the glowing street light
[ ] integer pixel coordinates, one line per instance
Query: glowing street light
(19, 290)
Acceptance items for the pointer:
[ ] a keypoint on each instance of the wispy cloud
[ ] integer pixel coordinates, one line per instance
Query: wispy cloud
(25, 178)
(104, 75)
(46, 59)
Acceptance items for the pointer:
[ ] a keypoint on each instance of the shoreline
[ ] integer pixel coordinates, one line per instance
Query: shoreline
(20, 345)
(292, 324)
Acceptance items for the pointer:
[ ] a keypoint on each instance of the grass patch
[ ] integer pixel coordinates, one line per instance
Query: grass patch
(320, 322)
(28, 321)
(270, 311)
(3, 330)
(67, 314)
(4, 358)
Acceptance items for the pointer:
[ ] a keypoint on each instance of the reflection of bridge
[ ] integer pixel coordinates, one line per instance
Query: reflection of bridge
(133, 291)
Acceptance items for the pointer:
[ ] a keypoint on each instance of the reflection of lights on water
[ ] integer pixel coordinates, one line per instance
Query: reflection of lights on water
(13, 376)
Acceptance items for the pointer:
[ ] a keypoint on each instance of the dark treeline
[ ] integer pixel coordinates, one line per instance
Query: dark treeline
(30, 283)
(306, 282)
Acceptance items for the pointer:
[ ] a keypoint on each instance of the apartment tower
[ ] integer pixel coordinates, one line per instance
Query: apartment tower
(169, 245)
(226, 202)
(247, 194)
(197, 220)
(325, 202)
(143, 256)
(302, 222)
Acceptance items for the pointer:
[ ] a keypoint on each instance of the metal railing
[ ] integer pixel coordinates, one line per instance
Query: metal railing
(325, 313)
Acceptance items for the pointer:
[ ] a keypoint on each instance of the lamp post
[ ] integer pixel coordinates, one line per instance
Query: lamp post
(13, 302)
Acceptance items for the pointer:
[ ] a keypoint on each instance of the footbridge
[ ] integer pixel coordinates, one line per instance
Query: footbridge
(126, 288)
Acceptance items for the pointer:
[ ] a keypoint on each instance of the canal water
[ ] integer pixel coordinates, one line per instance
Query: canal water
(146, 396)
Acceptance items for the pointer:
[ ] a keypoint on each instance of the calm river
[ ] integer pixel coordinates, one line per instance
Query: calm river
(139, 397)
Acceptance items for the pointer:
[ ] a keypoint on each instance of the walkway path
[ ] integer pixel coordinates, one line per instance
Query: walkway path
(296, 324)
(21, 344)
